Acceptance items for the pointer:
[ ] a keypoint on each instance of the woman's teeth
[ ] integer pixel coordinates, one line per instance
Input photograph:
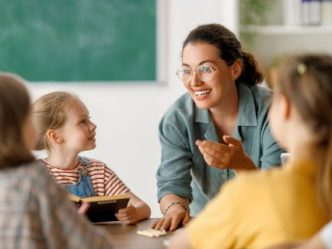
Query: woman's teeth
(200, 93)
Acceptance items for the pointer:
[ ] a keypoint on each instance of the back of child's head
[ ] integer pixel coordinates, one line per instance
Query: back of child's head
(306, 80)
(15, 107)
(50, 113)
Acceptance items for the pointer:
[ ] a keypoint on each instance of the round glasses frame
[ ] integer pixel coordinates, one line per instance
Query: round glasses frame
(204, 72)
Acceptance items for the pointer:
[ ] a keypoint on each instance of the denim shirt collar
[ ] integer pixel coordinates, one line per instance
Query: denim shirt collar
(247, 115)
(247, 110)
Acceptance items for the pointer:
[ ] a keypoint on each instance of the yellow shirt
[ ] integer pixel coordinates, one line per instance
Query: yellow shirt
(260, 209)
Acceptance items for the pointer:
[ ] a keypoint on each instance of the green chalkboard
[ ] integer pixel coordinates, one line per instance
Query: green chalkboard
(79, 40)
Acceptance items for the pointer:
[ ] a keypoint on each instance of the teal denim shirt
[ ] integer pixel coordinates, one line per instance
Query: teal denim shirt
(183, 170)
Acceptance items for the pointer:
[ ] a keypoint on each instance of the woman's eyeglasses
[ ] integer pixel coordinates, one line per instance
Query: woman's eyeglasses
(204, 72)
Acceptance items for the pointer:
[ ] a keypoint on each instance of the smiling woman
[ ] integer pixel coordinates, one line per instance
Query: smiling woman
(219, 127)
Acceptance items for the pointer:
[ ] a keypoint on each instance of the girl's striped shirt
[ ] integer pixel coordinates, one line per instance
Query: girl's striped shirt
(104, 180)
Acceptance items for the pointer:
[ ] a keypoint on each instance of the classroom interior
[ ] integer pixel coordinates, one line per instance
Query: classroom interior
(127, 115)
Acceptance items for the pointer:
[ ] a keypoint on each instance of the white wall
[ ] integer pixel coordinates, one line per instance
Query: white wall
(127, 116)
(287, 43)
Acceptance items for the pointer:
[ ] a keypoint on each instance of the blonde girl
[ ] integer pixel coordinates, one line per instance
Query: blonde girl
(65, 130)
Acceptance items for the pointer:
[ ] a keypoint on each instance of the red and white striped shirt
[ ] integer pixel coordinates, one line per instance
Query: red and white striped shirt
(104, 180)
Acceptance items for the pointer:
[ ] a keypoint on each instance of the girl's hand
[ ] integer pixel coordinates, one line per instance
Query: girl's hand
(175, 217)
(230, 155)
(128, 215)
(83, 208)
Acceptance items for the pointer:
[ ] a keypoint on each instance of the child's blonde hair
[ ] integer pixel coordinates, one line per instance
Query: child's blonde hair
(307, 82)
(15, 106)
(50, 113)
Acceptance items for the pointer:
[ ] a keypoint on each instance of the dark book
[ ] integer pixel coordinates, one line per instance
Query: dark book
(102, 208)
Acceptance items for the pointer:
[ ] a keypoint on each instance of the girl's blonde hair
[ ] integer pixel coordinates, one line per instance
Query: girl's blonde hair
(307, 81)
(49, 113)
(15, 106)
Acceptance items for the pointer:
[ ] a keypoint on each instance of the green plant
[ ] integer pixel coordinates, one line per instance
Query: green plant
(252, 12)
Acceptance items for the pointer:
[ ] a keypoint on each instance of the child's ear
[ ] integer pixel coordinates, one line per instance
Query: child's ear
(236, 69)
(54, 136)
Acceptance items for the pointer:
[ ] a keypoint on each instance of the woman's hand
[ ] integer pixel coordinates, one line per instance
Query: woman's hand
(230, 155)
(176, 216)
(128, 215)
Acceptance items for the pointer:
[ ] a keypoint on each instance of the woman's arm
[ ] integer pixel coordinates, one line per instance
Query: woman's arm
(176, 213)
(173, 175)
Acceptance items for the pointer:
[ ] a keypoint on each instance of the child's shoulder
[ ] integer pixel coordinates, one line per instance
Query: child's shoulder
(95, 166)
(33, 174)
(91, 162)
(33, 170)
(262, 177)
(255, 181)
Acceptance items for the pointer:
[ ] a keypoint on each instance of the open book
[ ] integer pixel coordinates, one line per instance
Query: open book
(102, 208)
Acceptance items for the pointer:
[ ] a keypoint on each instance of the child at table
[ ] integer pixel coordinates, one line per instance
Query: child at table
(260, 209)
(64, 130)
(34, 211)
